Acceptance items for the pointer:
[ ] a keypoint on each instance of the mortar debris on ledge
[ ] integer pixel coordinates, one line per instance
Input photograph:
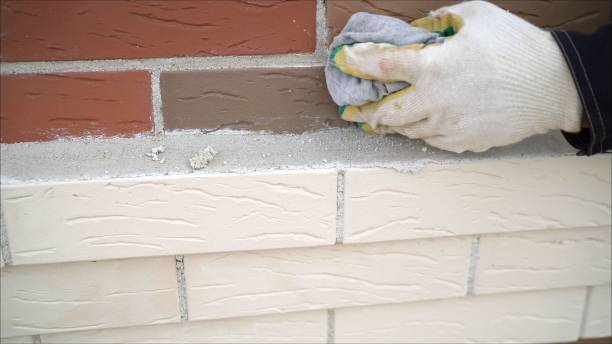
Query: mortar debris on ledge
(155, 152)
(202, 158)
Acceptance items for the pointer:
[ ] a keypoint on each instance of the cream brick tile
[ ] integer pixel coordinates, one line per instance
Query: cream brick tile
(477, 197)
(17, 340)
(87, 295)
(598, 321)
(169, 215)
(303, 327)
(277, 281)
(543, 259)
(541, 316)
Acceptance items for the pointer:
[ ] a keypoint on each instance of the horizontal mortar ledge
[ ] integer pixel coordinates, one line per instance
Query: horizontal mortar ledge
(241, 152)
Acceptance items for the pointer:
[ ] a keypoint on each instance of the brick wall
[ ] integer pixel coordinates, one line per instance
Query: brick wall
(496, 247)
(115, 45)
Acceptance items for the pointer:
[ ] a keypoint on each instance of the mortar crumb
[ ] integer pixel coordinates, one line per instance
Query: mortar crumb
(155, 152)
(202, 158)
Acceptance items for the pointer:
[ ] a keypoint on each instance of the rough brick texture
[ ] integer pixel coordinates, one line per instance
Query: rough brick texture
(598, 316)
(278, 100)
(260, 282)
(549, 316)
(582, 15)
(306, 327)
(78, 30)
(169, 215)
(477, 197)
(89, 295)
(46, 106)
(18, 340)
(543, 259)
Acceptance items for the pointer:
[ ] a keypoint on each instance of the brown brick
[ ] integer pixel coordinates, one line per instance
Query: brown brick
(278, 100)
(581, 15)
(40, 107)
(102, 29)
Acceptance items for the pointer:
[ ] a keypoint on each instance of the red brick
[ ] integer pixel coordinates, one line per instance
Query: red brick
(40, 107)
(581, 15)
(102, 29)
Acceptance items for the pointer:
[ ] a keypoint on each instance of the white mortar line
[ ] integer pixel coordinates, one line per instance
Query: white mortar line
(585, 309)
(156, 103)
(331, 326)
(7, 257)
(321, 27)
(472, 264)
(182, 288)
(164, 64)
(340, 207)
(36, 339)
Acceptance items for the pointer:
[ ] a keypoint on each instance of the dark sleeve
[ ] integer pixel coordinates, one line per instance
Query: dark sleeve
(589, 59)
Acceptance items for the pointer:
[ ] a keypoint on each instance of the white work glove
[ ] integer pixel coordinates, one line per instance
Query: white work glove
(496, 81)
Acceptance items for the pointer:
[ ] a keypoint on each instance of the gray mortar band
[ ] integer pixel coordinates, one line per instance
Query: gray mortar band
(340, 207)
(181, 288)
(585, 308)
(472, 264)
(241, 152)
(165, 64)
(4, 242)
(331, 326)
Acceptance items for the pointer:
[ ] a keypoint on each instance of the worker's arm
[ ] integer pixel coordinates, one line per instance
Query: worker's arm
(588, 57)
(496, 81)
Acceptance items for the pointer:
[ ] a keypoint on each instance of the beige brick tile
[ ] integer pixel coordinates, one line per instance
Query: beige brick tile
(169, 215)
(543, 259)
(598, 321)
(477, 197)
(17, 340)
(542, 316)
(277, 281)
(87, 295)
(303, 327)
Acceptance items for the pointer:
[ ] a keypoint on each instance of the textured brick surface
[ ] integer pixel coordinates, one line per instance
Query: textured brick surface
(543, 259)
(251, 283)
(17, 340)
(306, 327)
(542, 317)
(77, 30)
(279, 100)
(169, 215)
(598, 322)
(477, 197)
(91, 295)
(43, 107)
(582, 15)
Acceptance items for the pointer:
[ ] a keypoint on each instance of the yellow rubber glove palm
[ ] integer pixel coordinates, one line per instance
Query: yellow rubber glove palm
(496, 81)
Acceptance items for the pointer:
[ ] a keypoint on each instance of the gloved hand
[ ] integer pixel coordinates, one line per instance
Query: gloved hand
(497, 80)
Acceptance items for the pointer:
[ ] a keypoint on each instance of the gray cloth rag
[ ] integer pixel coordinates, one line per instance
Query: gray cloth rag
(366, 27)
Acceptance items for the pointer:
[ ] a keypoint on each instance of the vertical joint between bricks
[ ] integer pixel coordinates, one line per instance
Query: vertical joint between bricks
(585, 309)
(472, 264)
(340, 207)
(321, 27)
(7, 258)
(331, 326)
(182, 288)
(156, 102)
